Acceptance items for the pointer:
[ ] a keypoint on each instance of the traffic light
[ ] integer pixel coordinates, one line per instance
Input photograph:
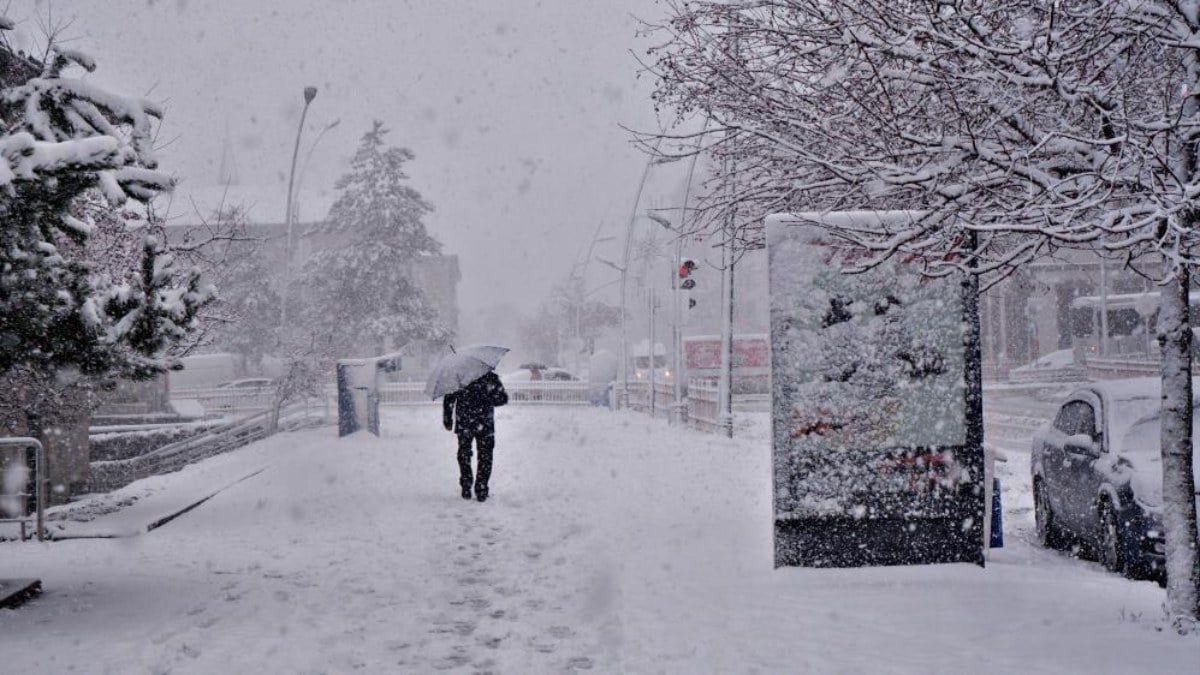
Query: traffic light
(686, 266)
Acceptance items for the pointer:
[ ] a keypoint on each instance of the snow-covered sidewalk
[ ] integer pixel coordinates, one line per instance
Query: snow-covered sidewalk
(612, 542)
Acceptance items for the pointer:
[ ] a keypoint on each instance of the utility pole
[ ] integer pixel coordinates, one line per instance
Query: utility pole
(653, 354)
(725, 380)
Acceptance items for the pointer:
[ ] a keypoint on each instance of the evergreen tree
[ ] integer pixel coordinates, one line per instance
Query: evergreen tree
(360, 286)
(67, 148)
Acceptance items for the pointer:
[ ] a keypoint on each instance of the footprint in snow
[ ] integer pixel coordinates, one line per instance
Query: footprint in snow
(457, 659)
(542, 646)
(491, 642)
(579, 663)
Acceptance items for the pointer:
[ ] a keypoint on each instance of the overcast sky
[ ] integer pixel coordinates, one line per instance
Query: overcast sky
(513, 108)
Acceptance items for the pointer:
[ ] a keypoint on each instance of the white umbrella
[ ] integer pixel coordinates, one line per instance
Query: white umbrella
(461, 368)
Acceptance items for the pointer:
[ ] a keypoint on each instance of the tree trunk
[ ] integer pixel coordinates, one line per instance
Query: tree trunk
(1179, 487)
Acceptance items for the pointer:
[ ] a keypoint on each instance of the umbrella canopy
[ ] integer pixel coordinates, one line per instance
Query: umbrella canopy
(457, 370)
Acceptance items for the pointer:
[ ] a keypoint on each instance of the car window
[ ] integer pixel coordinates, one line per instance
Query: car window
(1086, 420)
(1076, 417)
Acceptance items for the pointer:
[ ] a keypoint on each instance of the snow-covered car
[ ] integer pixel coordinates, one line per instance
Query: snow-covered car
(537, 384)
(1057, 366)
(548, 374)
(247, 384)
(1097, 476)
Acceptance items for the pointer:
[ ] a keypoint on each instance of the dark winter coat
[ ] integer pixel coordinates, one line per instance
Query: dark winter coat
(470, 409)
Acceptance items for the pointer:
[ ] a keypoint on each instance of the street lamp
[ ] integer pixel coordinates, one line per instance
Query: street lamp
(623, 401)
(309, 94)
(676, 414)
(307, 158)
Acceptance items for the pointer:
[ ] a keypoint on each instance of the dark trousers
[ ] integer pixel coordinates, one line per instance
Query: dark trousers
(485, 445)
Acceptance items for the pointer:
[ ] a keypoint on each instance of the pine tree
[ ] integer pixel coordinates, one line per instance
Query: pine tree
(68, 148)
(360, 288)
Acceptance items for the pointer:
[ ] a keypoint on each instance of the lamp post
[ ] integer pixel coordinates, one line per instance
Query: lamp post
(309, 94)
(307, 158)
(623, 400)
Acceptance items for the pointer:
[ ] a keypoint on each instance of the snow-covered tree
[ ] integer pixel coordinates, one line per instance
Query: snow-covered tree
(359, 287)
(66, 141)
(1009, 129)
(245, 317)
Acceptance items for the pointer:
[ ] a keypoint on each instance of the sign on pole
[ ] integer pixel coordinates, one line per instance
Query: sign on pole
(874, 463)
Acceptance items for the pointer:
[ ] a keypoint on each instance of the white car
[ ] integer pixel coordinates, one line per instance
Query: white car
(248, 384)
(535, 374)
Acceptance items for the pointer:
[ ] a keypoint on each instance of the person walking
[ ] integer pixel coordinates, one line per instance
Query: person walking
(470, 413)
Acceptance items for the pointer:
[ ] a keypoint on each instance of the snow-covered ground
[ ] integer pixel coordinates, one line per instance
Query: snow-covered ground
(612, 542)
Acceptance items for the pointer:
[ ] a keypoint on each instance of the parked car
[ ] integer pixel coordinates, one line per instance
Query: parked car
(248, 384)
(547, 374)
(1058, 366)
(1097, 476)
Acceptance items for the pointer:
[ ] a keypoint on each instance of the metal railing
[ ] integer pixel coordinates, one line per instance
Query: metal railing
(113, 474)
(40, 482)
(524, 393)
(703, 404)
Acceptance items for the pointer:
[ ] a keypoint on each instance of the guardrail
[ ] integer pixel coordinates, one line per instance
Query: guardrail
(1128, 366)
(40, 483)
(113, 474)
(526, 393)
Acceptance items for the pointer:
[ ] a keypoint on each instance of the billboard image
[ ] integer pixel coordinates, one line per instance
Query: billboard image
(872, 463)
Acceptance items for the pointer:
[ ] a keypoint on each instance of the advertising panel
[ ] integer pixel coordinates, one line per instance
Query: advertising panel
(872, 462)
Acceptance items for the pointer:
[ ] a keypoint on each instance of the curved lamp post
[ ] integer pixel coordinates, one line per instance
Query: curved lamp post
(309, 94)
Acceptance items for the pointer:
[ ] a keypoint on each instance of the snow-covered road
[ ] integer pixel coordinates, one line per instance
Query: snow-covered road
(612, 543)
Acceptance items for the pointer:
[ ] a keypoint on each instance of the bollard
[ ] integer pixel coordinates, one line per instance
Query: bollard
(997, 538)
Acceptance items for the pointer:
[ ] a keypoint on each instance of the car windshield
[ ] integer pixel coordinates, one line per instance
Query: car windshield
(1123, 413)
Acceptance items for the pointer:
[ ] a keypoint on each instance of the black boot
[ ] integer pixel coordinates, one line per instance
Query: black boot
(481, 493)
(466, 491)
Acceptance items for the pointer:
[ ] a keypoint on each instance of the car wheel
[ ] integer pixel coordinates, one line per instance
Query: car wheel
(1108, 539)
(1043, 515)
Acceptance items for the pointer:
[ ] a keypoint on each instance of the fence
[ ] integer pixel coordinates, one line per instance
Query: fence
(523, 393)
(703, 404)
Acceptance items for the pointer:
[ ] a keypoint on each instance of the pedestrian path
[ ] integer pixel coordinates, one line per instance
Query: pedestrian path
(611, 543)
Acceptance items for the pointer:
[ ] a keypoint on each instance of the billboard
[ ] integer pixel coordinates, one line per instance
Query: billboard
(702, 353)
(873, 460)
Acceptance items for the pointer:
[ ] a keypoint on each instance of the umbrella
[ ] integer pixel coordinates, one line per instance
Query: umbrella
(461, 368)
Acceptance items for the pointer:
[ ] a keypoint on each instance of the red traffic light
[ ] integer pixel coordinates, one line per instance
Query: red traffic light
(685, 268)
